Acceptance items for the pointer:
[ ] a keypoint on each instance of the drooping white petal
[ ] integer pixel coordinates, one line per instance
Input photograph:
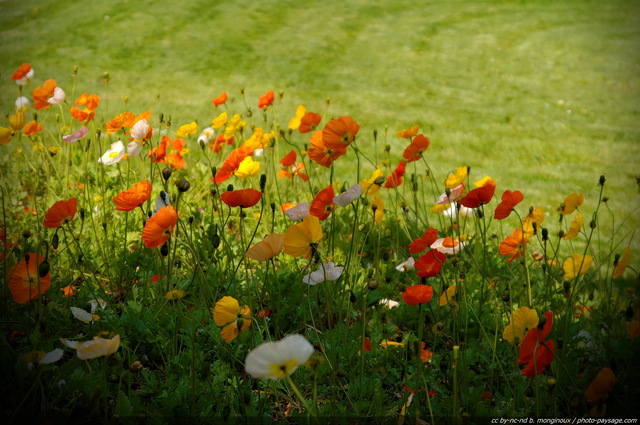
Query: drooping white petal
(52, 356)
(326, 272)
(58, 96)
(349, 196)
(77, 135)
(407, 265)
(140, 130)
(299, 212)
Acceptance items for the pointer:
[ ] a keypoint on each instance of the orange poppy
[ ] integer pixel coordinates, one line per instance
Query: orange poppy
(339, 133)
(21, 72)
(220, 100)
(414, 151)
(90, 102)
(424, 241)
(430, 263)
(571, 202)
(602, 384)
(25, 283)
(514, 245)
(31, 128)
(157, 230)
(321, 154)
(418, 294)
(230, 165)
(479, 196)
(133, 197)
(217, 144)
(302, 239)
(533, 344)
(266, 249)
(322, 205)
(309, 122)
(509, 201)
(243, 198)
(124, 119)
(158, 153)
(266, 99)
(60, 213)
(42, 94)
(175, 160)
(395, 179)
(409, 132)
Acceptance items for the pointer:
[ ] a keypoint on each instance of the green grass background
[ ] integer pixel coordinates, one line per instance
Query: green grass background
(540, 95)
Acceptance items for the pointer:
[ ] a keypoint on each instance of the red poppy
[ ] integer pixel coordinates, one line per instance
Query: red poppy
(25, 283)
(217, 144)
(339, 133)
(418, 294)
(322, 205)
(60, 213)
(21, 72)
(230, 165)
(266, 99)
(423, 242)
(90, 102)
(395, 179)
(289, 159)
(366, 344)
(513, 245)
(600, 387)
(243, 198)
(509, 201)
(414, 151)
(430, 263)
(309, 122)
(133, 197)
(533, 345)
(290, 168)
(157, 230)
(220, 99)
(320, 153)
(479, 196)
(42, 94)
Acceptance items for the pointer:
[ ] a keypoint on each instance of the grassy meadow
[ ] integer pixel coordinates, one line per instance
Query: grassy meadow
(163, 310)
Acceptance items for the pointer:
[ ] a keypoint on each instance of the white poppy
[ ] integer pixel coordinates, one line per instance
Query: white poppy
(327, 272)
(134, 148)
(448, 246)
(298, 212)
(349, 196)
(140, 130)
(452, 211)
(389, 303)
(275, 360)
(113, 154)
(22, 103)
(206, 136)
(162, 200)
(40, 357)
(454, 195)
(407, 265)
(77, 135)
(58, 96)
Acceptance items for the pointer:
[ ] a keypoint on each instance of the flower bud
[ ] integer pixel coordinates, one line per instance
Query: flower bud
(183, 185)
(26, 234)
(273, 206)
(43, 269)
(263, 182)
(54, 241)
(230, 188)
(602, 180)
(545, 234)
(215, 240)
(136, 366)
(379, 181)
(164, 249)
(387, 148)
(166, 173)
(373, 284)
(592, 224)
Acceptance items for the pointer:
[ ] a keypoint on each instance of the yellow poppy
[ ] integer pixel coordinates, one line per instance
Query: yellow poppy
(187, 130)
(574, 228)
(300, 239)
(522, 321)
(447, 295)
(266, 249)
(571, 202)
(377, 208)
(220, 120)
(457, 178)
(622, 264)
(369, 186)
(576, 265)
(296, 121)
(247, 168)
(228, 313)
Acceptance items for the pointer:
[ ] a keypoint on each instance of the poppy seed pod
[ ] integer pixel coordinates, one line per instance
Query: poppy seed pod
(263, 182)
(379, 181)
(54, 241)
(602, 180)
(43, 269)
(26, 234)
(166, 173)
(545, 234)
(183, 185)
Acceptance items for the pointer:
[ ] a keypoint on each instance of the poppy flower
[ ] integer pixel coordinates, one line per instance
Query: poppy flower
(23, 74)
(76, 135)
(297, 120)
(451, 195)
(409, 132)
(297, 212)
(416, 149)
(243, 198)
(522, 320)
(187, 130)
(157, 230)
(534, 351)
(35, 358)
(90, 102)
(25, 283)
(322, 205)
(458, 177)
(377, 209)
(293, 171)
(58, 97)
(395, 179)
(266, 249)
(406, 265)
(309, 122)
(31, 128)
(141, 130)
(622, 264)
(372, 185)
(576, 265)
(124, 119)
(417, 294)
(266, 99)
(133, 197)
(220, 100)
(60, 213)
(425, 354)
(42, 94)
(289, 159)
(447, 295)
(513, 245)
(424, 241)
(601, 385)
(230, 165)
(95, 348)
(339, 133)
(448, 245)
(302, 238)
(536, 216)
(175, 294)
(320, 153)
(509, 201)
(113, 154)
(275, 360)
(570, 203)
(220, 120)
(327, 272)
(228, 313)
(247, 168)
(574, 228)
(479, 196)
(430, 263)
(348, 196)
(219, 142)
